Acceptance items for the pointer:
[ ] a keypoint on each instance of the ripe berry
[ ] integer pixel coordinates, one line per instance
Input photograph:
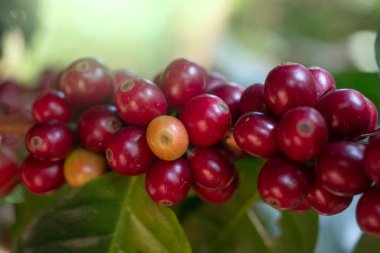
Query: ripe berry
(87, 82)
(49, 140)
(167, 137)
(211, 167)
(252, 99)
(215, 79)
(371, 162)
(373, 118)
(303, 207)
(168, 182)
(41, 177)
(325, 202)
(231, 146)
(288, 86)
(82, 166)
(96, 125)
(52, 105)
(230, 93)
(218, 196)
(323, 80)
(9, 171)
(340, 168)
(368, 212)
(138, 101)
(255, 133)
(302, 133)
(128, 152)
(206, 118)
(282, 183)
(346, 112)
(121, 77)
(182, 80)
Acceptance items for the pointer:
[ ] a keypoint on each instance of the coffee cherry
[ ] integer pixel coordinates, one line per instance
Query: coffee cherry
(206, 118)
(218, 196)
(252, 99)
(211, 167)
(303, 207)
(215, 79)
(49, 140)
(282, 183)
(374, 116)
(371, 161)
(340, 168)
(346, 112)
(168, 182)
(182, 80)
(87, 82)
(121, 77)
(255, 133)
(41, 177)
(302, 133)
(9, 171)
(128, 152)
(288, 86)
(368, 212)
(138, 101)
(325, 202)
(231, 146)
(82, 166)
(230, 93)
(96, 125)
(324, 81)
(167, 137)
(52, 106)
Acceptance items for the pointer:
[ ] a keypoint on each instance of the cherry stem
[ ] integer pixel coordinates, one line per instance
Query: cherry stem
(369, 134)
(15, 126)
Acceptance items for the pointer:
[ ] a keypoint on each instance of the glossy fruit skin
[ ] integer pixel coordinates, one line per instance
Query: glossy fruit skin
(182, 80)
(122, 76)
(252, 99)
(324, 81)
(52, 106)
(41, 177)
(128, 153)
(87, 82)
(256, 134)
(371, 162)
(282, 183)
(168, 182)
(219, 196)
(374, 116)
(9, 170)
(206, 118)
(368, 212)
(346, 113)
(82, 166)
(211, 167)
(215, 79)
(230, 93)
(340, 168)
(167, 137)
(96, 125)
(326, 203)
(139, 101)
(302, 133)
(49, 140)
(288, 86)
(303, 207)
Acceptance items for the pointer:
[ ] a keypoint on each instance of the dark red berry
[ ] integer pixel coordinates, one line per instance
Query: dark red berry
(41, 177)
(255, 133)
(182, 80)
(340, 168)
(168, 182)
(96, 125)
(9, 170)
(252, 99)
(371, 162)
(128, 152)
(211, 167)
(374, 116)
(218, 196)
(346, 112)
(323, 80)
(302, 133)
(52, 106)
(206, 118)
(138, 101)
(122, 76)
(368, 212)
(288, 86)
(87, 82)
(303, 207)
(282, 183)
(215, 79)
(325, 202)
(50, 140)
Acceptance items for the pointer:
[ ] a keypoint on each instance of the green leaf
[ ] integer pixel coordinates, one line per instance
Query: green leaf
(111, 214)
(367, 244)
(377, 49)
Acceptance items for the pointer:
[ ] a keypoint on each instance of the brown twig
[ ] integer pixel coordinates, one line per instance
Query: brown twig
(15, 126)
